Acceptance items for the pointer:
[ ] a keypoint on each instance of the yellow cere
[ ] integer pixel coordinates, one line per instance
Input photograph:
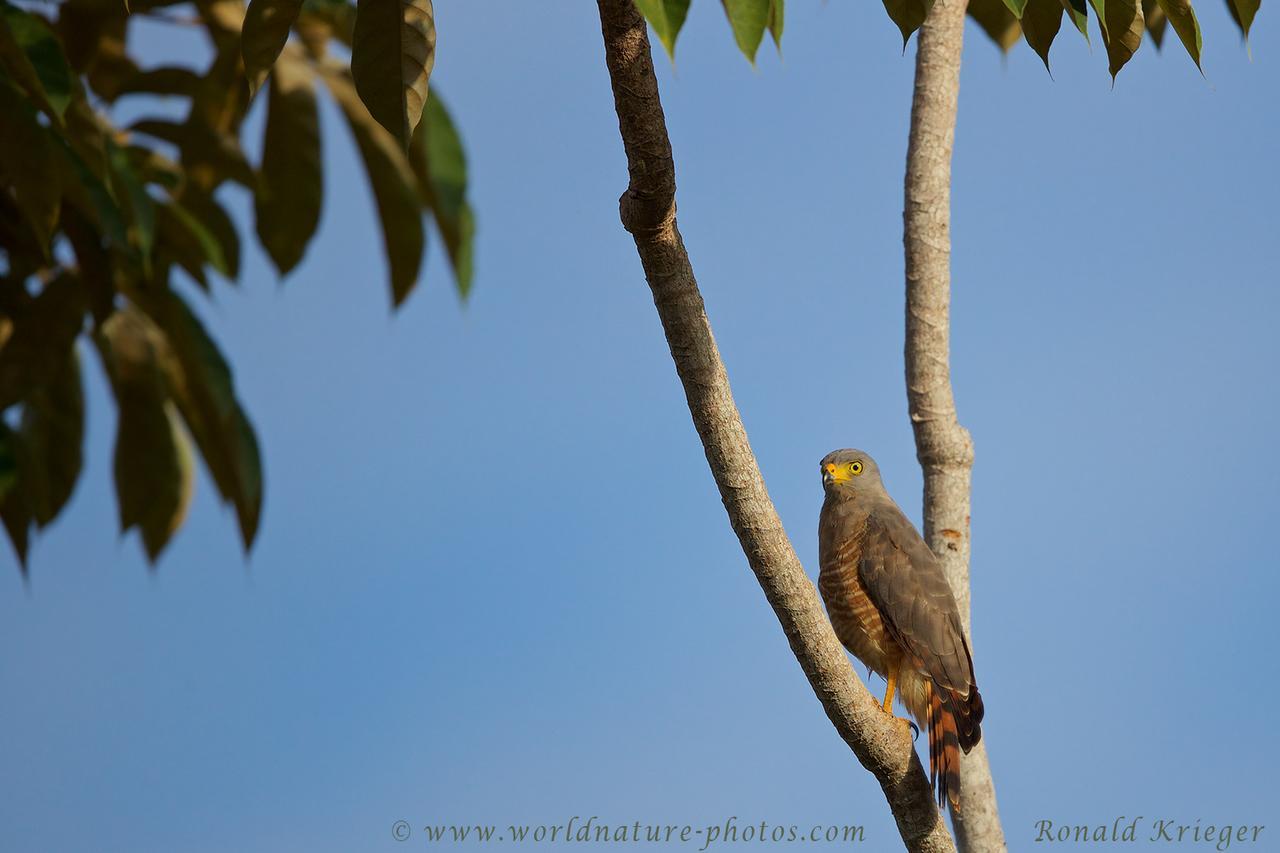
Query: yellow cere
(843, 473)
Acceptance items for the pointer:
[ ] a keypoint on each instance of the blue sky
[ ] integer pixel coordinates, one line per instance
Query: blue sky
(494, 582)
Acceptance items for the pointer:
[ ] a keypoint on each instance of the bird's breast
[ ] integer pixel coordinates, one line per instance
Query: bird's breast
(856, 620)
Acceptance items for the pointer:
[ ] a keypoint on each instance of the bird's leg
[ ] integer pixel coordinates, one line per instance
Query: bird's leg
(892, 685)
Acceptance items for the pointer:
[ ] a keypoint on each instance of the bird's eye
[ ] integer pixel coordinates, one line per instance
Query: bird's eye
(855, 468)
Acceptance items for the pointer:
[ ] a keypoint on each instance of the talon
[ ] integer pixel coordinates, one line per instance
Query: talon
(915, 731)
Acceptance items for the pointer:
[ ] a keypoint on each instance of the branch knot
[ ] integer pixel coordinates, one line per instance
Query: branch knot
(644, 215)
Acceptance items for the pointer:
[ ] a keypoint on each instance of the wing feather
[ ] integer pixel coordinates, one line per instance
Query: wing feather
(907, 586)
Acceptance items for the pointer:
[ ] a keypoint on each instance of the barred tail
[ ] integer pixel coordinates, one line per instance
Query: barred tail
(954, 726)
(944, 750)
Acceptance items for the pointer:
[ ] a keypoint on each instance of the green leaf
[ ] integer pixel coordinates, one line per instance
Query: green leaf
(44, 56)
(1078, 12)
(139, 205)
(291, 182)
(217, 224)
(393, 50)
(220, 103)
(164, 80)
(440, 165)
(1122, 27)
(666, 17)
(86, 191)
(1183, 19)
(908, 15)
(153, 167)
(199, 381)
(393, 184)
(266, 29)
(748, 20)
(1156, 21)
(996, 21)
(183, 239)
(1016, 7)
(28, 164)
(43, 332)
(777, 15)
(85, 134)
(202, 147)
(154, 473)
(52, 430)
(40, 461)
(1041, 20)
(211, 247)
(1242, 12)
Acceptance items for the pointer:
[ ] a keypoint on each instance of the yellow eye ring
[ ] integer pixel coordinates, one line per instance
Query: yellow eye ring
(855, 468)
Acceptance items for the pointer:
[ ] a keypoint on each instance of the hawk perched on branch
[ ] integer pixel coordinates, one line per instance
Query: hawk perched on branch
(893, 609)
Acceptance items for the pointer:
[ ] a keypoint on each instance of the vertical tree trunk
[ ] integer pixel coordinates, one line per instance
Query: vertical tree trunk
(881, 743)
(943, 446)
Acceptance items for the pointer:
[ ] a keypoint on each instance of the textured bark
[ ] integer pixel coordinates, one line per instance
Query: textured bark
(882, 744)
(943, 446)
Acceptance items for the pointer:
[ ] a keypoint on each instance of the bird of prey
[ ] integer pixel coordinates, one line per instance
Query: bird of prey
(891, 606)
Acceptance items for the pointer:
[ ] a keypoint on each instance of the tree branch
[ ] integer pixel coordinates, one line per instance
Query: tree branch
(648, 209)
(943, 446)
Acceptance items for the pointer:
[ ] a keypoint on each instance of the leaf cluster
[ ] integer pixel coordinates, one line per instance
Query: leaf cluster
(748, 19)
(106, 232)
(1121, 22)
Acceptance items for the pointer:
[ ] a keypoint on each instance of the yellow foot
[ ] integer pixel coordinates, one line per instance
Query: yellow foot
(892, 680)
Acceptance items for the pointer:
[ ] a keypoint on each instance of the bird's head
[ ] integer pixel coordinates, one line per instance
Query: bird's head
(849, 472)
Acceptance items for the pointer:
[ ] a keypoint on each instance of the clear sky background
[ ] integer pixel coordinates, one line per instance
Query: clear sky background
(494, 581)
